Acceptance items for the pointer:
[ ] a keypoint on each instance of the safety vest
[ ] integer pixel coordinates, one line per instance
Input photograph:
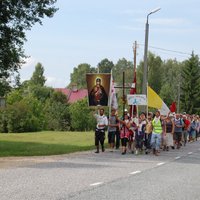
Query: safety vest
(157, 127)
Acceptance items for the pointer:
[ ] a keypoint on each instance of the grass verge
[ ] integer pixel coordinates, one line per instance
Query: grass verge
(45, 143)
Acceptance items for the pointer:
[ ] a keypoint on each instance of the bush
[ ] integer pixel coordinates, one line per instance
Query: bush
(57, 116)
(81, 116)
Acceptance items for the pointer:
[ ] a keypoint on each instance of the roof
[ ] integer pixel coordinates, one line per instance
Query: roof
(73, 96)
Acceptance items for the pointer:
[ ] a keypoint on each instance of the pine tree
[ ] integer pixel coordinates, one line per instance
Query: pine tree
(38, 77)
(190, 93)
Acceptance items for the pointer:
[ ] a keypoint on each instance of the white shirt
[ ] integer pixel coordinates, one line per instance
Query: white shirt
(101, 120)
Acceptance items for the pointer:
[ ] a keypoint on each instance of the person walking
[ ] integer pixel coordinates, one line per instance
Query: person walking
(124, 132)
(112, 128)
(140, 133)
(186, 129)
(156, 133)
(168, 133)
(102, 122)
(179, 124)
(148, 133)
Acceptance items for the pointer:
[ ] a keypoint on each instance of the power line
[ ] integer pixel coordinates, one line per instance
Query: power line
(169, 50)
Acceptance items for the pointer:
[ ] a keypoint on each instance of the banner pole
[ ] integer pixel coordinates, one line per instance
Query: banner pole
(147, 99)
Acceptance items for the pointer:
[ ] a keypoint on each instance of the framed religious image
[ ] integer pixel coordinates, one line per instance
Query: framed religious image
(98, 86)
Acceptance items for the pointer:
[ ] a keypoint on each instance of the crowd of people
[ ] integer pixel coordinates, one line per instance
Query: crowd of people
(151, 133)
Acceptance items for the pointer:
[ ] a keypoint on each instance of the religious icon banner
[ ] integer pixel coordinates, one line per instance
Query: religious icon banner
(98, 86)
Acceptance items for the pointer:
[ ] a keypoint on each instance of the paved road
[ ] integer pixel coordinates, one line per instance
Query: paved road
(173, 175)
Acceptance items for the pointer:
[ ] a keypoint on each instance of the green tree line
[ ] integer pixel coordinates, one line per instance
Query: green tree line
(171, 79)
(32, 106)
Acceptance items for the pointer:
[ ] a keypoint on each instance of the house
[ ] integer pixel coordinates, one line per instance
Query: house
(74, 94)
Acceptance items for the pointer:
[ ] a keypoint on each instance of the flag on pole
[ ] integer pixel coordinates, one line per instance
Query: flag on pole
(113, 101)
(173, 107)
(155, 101)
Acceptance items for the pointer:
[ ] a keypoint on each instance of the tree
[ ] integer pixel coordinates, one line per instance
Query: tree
(81, 116)
(171, 80)
(105, 66)
(16, 17)
(190, 93)
(56, 111)
(155, 72)
(127, 67)
(38, 77)
(79, 75)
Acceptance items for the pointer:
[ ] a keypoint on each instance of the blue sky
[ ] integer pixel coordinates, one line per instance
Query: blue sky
(89, 31)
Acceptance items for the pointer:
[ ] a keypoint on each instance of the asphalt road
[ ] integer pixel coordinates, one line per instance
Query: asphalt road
(173, 175)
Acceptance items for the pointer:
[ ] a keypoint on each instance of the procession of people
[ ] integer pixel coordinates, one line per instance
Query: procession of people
(149, 133)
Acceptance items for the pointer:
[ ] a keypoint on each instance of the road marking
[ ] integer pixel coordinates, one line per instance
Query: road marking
(177, 157)
(136, 172)
(159, 164)
(95, 184)
(190, 153)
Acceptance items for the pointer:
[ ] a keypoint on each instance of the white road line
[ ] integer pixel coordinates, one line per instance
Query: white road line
(159, 164)
(95, 184)
(136, 172)
(190, 153)
(178, 157)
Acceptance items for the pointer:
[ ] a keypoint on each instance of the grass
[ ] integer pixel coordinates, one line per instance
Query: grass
(45, 143)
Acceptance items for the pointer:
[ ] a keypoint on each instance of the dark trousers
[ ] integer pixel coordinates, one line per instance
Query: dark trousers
(139, 141)
(117, 134)
(99, 137)
(147, 140)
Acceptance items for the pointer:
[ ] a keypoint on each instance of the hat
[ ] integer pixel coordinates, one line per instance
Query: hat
(125, 110)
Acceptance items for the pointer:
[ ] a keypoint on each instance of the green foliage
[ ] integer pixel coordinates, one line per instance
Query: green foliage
(171, 80)
(190, 93)
(121, 66)
(15, 95)
(154, 72)
(3, 121)
(4, 85)
(79, 74)
(41, 93)
(105, 66)
(56, 112)
(38, 76)
(20, 119)
(59, 97)
(81, 116)
(16, 18)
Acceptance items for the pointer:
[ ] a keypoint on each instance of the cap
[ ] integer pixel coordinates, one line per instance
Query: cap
(125, 110)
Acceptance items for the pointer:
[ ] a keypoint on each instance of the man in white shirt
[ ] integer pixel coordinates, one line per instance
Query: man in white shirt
(102, 122)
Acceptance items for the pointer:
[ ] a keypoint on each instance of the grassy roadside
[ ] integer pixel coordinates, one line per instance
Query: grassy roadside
(45, 143)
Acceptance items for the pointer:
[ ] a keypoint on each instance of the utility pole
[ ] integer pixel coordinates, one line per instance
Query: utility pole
(133, 86)
(134, 65)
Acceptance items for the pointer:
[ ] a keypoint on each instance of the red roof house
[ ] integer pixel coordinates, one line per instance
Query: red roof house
(73, 94)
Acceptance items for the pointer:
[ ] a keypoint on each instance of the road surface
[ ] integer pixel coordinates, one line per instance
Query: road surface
(174, 175)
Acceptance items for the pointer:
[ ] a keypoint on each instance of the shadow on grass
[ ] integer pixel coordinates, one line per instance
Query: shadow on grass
(10, 148)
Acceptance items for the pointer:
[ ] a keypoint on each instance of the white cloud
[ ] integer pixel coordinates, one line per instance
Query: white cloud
(55, 82)
(30, 62)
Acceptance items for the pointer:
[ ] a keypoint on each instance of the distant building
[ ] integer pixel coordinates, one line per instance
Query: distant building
(73, 94)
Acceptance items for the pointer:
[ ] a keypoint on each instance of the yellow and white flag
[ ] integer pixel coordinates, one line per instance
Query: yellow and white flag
(155, 101)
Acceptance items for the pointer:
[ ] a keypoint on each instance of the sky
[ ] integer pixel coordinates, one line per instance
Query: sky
(89, 31)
